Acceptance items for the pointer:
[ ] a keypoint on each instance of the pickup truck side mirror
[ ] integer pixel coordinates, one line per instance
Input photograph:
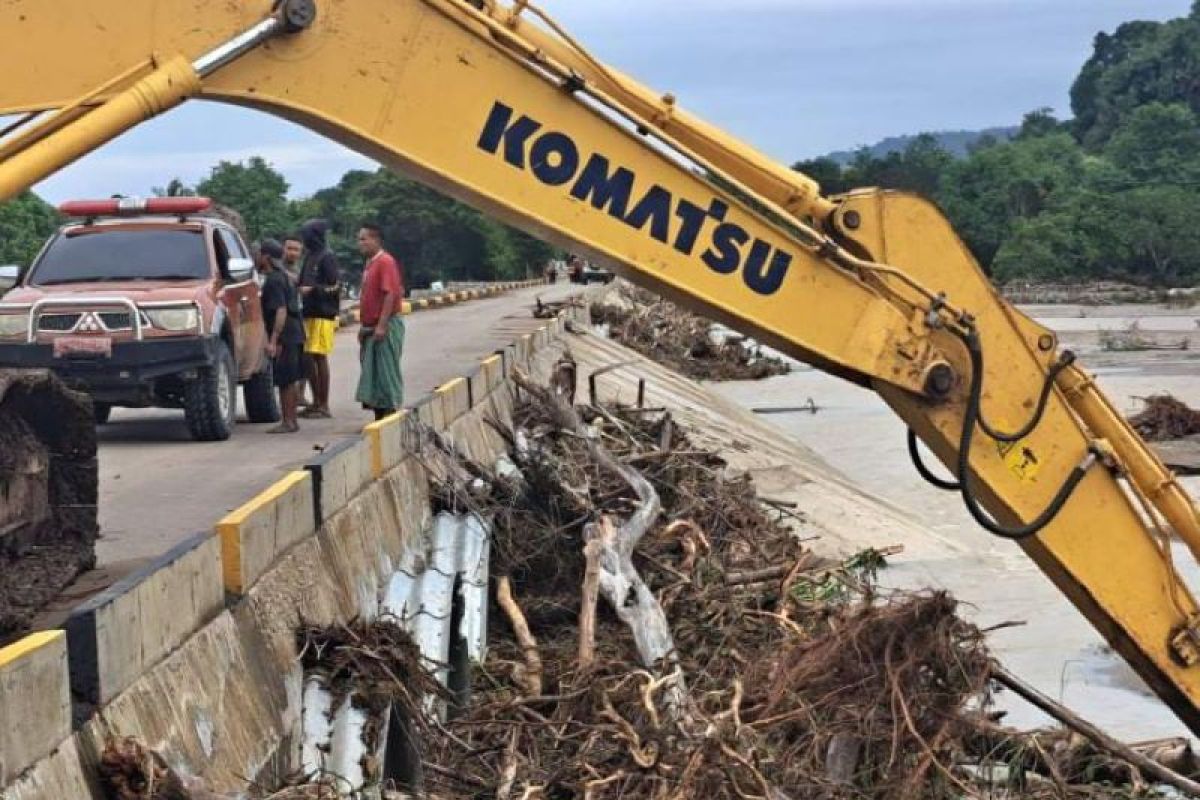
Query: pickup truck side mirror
(9, 274)
(240, 269)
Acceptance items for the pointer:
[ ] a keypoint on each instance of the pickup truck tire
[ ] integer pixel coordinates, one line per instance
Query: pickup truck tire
(210, 399)
(101, 412)
(258, 393)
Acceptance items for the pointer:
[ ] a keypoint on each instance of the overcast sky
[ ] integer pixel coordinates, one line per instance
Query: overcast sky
(797, 78)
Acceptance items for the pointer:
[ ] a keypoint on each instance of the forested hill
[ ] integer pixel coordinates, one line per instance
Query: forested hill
(1112, 193)
(956, 143)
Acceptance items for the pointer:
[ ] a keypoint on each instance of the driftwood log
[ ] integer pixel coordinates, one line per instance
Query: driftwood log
(619, 581)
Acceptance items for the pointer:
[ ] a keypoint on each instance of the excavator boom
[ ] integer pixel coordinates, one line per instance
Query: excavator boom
(511, 115)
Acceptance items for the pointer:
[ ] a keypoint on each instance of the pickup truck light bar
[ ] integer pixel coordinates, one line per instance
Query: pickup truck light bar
(129, 206)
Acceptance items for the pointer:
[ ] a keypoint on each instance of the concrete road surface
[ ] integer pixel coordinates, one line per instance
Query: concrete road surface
(157, 486)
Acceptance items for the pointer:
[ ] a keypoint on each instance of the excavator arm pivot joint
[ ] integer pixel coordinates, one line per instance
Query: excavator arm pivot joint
(1185, 643)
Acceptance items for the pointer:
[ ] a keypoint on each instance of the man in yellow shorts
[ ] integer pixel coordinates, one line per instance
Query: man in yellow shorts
(320, 287)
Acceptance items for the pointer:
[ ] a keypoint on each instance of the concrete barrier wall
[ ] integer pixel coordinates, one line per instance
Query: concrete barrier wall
(422, 302)
(35, 701)
(255, 535)
(127, 629)
(197, 655)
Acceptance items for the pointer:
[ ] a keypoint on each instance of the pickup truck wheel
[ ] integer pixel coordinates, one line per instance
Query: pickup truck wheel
(262, 402)
(210, 399)
(101, 412)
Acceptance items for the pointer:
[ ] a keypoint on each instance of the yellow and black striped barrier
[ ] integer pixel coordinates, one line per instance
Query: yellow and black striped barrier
(349, 315)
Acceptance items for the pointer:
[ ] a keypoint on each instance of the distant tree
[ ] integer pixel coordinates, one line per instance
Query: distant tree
(435, 237)
(1113, 193)
(986, 194)
(1158, 143)
(26, 222)
(1161, 225)
(1142, 62)
(255, 190)
(826, 172)
(1040, 122)
(917, 168)
(1045, 247)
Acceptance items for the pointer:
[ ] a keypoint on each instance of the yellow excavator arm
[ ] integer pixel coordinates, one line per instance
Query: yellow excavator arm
(500, 108)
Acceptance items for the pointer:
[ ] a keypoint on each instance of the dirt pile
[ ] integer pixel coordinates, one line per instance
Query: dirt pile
(681, 340)
(48, 493)
(1165, 418)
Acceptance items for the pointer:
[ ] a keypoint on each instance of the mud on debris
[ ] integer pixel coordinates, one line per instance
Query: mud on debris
(48, 493)
(679, 339)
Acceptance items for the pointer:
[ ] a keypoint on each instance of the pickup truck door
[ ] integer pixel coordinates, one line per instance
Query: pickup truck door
(242, 305)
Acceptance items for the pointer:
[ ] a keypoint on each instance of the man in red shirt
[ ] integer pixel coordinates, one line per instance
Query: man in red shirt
(381, 339)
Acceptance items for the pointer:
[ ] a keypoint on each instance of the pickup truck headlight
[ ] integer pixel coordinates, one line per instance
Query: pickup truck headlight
(181, 318)
(14, 324)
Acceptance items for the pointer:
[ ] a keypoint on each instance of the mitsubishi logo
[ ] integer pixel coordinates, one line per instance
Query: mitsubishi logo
(90, 323)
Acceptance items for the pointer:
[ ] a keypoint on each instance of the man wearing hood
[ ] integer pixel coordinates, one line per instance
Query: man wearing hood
(320, 279)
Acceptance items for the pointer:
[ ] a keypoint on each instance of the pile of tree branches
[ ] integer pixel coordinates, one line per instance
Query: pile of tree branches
(658, 631)
(726, 660)
(681, 340)
(1165, 417)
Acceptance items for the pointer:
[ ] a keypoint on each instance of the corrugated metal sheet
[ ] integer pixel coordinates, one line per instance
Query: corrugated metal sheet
(421, 594)
(452, 555)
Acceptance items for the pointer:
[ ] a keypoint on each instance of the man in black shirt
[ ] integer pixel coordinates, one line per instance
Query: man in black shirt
(285, 331)
(320, 287)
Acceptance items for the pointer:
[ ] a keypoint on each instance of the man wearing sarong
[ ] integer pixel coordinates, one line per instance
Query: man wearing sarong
(381, 339)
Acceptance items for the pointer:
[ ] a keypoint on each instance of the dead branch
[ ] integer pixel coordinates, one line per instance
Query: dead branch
(591, 592)
(620, 581)
(508, 774)
(532, 677)
(1096, 736)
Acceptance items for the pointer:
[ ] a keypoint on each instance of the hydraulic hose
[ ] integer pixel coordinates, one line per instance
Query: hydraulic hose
(1065, 360)
(970, 337)
(915, 454)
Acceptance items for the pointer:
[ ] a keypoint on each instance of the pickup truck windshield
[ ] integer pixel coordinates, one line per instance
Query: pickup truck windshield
(122, 255)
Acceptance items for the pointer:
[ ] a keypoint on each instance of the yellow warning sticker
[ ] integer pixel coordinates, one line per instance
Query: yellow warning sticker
(1020, 459)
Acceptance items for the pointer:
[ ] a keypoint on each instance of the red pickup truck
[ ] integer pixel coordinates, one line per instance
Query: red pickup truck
(145, 303)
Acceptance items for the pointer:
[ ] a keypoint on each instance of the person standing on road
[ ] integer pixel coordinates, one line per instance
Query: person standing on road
(320, 287)
(293, 255)
(285, 333)
(293, 252)
(381, 339)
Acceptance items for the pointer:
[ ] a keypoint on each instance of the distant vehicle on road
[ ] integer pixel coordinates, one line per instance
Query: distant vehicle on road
(145, 303)
(585, 272)
(594, 274)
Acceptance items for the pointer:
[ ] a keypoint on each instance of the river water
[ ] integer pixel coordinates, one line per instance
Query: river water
(1054, 648)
